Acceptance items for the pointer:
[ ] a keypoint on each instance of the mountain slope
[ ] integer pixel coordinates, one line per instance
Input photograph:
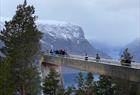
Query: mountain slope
(66, 36)
(112, 51)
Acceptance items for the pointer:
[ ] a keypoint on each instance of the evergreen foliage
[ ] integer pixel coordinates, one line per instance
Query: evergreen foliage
(80, 80)
(18, 70)
(69, 90)
(89, 84)
(6, 87)
(81, 85)
(51, 83)
(21, 44)
(105, 86)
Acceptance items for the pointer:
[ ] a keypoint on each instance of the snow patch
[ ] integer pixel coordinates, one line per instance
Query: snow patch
(63, 31)
(56, 29)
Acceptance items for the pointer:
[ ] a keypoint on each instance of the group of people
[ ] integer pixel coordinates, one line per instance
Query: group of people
(58, 52)
(126, 57)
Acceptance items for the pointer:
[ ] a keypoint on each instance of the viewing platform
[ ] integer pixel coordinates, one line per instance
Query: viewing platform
(107, 67)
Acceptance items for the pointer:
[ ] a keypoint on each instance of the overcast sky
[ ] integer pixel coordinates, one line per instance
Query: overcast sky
(112, 21)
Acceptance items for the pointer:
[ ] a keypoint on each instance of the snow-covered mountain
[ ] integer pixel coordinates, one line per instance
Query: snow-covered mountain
(63, 35)
(65, 32)
(67, 36)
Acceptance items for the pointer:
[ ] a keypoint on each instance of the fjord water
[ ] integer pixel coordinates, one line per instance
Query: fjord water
(125, 87)
(70, 74)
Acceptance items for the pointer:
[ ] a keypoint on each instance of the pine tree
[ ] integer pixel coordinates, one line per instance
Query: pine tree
(81, 85)
(51, 83)
(21, 44)
(69, 90)
(89, 84)
(105, 86)
(6, 85)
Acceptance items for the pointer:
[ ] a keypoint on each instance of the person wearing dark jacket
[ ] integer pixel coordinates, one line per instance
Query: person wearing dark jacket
(97, 57)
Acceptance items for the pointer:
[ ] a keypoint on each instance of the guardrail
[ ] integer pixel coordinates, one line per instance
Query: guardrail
(93, 59)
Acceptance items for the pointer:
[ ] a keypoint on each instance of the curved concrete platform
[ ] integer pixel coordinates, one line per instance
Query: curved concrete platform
(104, 67)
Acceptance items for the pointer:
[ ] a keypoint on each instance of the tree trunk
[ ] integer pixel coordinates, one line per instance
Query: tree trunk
(23, 90)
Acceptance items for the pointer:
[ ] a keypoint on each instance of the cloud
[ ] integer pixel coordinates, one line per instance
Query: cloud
(111, 21)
